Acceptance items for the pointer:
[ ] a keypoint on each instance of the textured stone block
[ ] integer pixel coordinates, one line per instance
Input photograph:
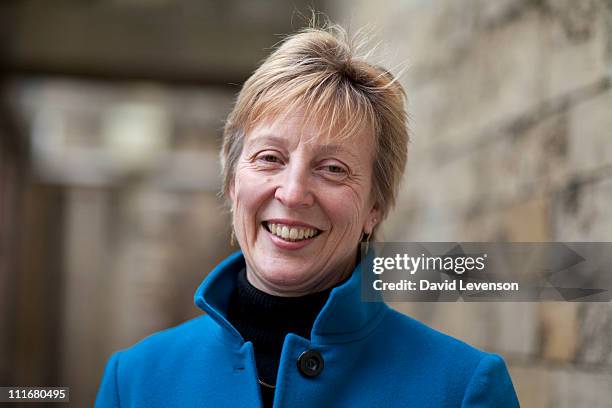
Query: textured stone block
(533, 385)
(526, 221)
(514, 329)
(575, 388)
(573, 46)
(582, 212)
(488, 86)
(547, 387)
(590, 134)
(535, 160)
(494, 13)
(504, 328)
(409, 28)
(470, 322)
(595, 334)
(559, 330)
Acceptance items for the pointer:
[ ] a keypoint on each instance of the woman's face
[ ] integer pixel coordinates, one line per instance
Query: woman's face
(300, 204)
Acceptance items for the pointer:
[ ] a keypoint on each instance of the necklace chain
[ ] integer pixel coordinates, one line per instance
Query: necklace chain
(265, 384)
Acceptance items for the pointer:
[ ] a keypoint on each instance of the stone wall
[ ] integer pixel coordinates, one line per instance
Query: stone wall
(511, 118)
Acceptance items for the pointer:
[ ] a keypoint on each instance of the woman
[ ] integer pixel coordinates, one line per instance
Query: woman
(313, 154)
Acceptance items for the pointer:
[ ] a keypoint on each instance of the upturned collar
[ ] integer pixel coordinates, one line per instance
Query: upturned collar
(343, 318)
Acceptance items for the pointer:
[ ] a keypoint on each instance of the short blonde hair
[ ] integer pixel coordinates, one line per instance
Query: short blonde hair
(317, 70)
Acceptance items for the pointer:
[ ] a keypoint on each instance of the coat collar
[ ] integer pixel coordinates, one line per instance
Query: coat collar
(343, 318)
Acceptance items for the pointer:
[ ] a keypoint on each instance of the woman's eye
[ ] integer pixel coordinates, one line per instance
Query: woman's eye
(335, 169)
(269, 158)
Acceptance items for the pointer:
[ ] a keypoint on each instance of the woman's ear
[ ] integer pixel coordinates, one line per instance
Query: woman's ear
(372, 220)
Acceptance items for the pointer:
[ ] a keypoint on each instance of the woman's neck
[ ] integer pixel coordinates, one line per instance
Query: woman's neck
(325, 282)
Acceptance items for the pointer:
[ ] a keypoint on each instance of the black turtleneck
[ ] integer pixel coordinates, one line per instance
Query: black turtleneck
(265, 320)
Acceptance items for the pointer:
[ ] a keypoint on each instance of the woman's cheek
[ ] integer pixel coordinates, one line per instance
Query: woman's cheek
(355, 217)
(344, 207)
(255, 189)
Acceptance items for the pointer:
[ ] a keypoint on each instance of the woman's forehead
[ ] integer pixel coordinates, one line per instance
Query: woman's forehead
(300, 128)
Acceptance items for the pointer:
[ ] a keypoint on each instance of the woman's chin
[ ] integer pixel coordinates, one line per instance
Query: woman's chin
(289, 280)
(286, 277)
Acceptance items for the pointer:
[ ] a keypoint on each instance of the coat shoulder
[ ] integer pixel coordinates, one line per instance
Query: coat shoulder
(414, 344)
(444, 371)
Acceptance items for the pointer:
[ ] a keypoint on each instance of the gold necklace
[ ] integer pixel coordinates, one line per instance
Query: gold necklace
(265, 384)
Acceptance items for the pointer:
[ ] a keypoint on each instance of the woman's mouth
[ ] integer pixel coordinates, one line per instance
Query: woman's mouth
(290, 233)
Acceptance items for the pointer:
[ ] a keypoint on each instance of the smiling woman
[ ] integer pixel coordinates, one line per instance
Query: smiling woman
(312, 157)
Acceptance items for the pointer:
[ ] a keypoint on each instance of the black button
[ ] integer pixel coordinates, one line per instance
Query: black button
(310, 363)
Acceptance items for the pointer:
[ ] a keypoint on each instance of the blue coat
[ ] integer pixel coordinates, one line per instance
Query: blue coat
(372, 356)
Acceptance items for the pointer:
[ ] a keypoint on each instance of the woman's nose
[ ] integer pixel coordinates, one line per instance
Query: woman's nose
(294, 189)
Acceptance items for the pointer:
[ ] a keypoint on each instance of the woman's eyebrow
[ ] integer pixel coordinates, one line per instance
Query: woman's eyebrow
(264, 139)
(337, 149)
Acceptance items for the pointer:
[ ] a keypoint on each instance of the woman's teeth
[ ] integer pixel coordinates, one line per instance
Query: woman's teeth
(291, 233)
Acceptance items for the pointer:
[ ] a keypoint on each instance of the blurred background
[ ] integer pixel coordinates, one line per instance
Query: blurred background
(111, 114)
